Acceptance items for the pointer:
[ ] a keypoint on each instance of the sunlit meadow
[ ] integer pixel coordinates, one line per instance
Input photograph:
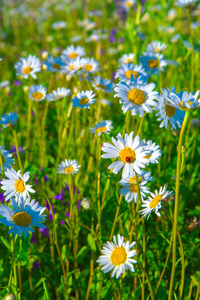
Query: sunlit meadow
(99, 149)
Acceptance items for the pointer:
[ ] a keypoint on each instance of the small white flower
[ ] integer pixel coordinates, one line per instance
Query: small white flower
(16, 185)
(84, 99)
(85, 203)
(127, 58)
(131, 152)
(37, 92)
(154, 202)
(28, 66)
(130, 190)
(71, 53)
(59, 25)
(68, 167)
(117, 256)
(58, 94)
(155, 152)
(102, 127)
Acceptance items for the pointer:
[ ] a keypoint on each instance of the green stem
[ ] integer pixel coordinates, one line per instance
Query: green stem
(1, 162)
(116, 215)
(28, 131)
(192, 51)
(176, 202)
(141, 122)
(14, 264)
(148, 280)
(17, 150)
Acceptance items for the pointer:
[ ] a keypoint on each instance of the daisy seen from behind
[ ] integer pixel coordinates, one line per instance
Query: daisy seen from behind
(117, 256)
(168, 113)
(37, 92)
(185, 100)
(54, 64)
(6, 158)
(104, 85)
(23, 215)
(68, 167)
(9, 119)
(131, 152)
(58, 94)
(136, 95)
(28, 66)
(84, 99)
(102, 127)
(153, 203)
(15, 184)
(130, 190)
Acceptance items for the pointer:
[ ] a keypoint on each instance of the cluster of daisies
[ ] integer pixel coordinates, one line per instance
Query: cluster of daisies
(22, 213)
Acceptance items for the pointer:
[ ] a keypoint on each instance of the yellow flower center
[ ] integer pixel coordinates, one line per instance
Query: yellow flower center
(101, 129)
(71, 67)
(27, 70)
(88, 67)
(73, 55)
(127, 155)
(37, 96)
(20, 186)
(130, 72)
(22, 218)
(169, 110)
(155, 201)
(185, 108)
(56, 66)
(118, 256)
(136, 96)
(101, 86)
(128, 3)
(152, 63)
(156, 50)
(69, 169)
(134, 180)
(2, 158)
(148, 156)
(133, 188)
(83, 100)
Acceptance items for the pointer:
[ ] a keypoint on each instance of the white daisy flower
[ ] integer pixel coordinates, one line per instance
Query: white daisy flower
(136, 95)
(28, 66)
(185, 100)
(155, 152)
(85, 203)
(84, 99)
(127, 58)
(117, 256)
(72, 52)
(127, 4)
(58, 94)
(131, 153)
(156, 47)
(16, 185)
(130, 190)
(59, 25)
(22, 216)
(152, 62)
(125, 71)
(167, 113)
(90, 65)
(153, 203)
(104, 85)
(54, 64)
(68, 167)
(102, 127)
(37, 92)
(6, 158)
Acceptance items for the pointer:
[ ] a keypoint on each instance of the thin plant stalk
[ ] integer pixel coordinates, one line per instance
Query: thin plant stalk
(17, 150)
(174, 233)
(116, 215)
(148, 280)
(141, 122)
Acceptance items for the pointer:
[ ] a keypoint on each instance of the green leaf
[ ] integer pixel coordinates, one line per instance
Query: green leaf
(91, 242)
(6, 243)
